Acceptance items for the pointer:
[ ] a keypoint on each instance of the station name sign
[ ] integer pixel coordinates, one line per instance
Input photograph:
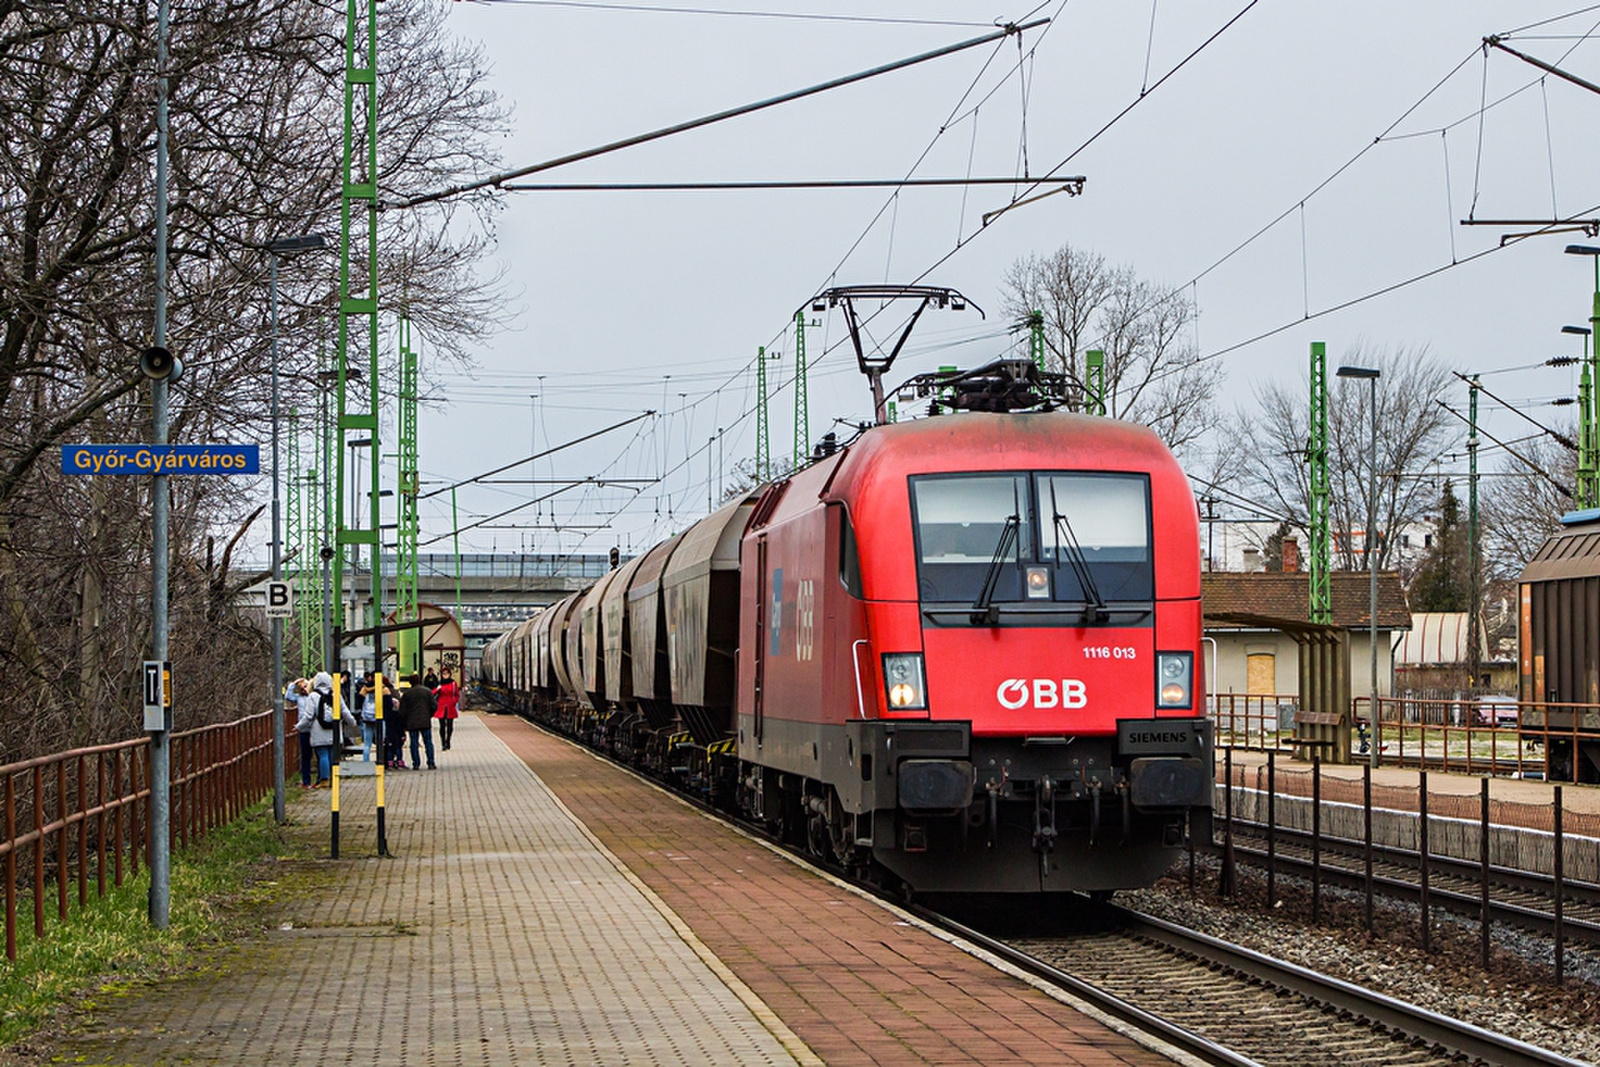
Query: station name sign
(160, 459)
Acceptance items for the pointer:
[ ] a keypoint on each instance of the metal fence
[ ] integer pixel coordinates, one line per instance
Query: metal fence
(1538, 859)
(1467, 733)
(83, 815)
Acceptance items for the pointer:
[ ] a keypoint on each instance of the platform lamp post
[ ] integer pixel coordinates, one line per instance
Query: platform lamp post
(1371, 375)
(283, 246)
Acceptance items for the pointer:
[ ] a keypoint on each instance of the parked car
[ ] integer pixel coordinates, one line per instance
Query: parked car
(1497, 711)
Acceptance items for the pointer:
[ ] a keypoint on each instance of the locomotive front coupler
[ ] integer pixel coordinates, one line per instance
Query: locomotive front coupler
(1044, 819)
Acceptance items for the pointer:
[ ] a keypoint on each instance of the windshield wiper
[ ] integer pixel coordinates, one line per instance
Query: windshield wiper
(1094, 605)
(984, 610)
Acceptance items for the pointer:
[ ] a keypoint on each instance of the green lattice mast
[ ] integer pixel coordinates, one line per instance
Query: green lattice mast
(294, 536)
(763, 423)
(1094, 382)
(358, 304)
(802, 414)
(409, 642)
(1321, 596)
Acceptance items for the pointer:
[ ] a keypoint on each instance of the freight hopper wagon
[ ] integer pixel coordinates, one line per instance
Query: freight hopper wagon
(959, 655)
(1559, 648)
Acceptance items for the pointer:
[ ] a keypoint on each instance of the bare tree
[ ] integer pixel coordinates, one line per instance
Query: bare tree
(1153, 372)
(256, 109)
(1522, 504)
(1412, 432)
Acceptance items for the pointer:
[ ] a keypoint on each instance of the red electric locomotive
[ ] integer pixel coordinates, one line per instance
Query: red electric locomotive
(960, 654)
(968, 654)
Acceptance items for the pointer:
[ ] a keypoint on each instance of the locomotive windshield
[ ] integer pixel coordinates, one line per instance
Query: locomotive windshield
(1034, 540)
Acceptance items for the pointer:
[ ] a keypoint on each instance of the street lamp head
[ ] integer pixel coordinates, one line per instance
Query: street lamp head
(1581, 330)
(1358, 372)
(284, 246)
(1583, 250)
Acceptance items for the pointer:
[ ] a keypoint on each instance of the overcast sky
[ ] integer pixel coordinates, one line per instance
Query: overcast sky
(632, 301)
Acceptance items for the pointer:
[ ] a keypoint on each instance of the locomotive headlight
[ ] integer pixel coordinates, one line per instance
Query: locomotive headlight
(903, 681)
(1038, 583)
(1174, 679)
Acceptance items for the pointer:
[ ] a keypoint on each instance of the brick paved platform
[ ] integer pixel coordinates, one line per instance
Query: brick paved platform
(611, 925)
(498, 935)
(859, 983)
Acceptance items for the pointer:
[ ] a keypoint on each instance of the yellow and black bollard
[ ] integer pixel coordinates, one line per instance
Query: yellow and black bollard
(383, 840)
(383, 751)
(338, 749)
(333, 821)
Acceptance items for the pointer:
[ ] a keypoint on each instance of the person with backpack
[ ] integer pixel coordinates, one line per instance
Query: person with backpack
(316, 719)
(448, 696)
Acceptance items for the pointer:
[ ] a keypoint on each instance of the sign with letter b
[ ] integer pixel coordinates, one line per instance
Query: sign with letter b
(280, 601)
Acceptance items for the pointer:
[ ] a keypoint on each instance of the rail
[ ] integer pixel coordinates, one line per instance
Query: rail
(83, 814)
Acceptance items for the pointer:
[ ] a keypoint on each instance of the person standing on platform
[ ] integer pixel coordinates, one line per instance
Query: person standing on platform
(431, 680)
(393, 732)
(369, 719)
(316, 718)
(416, 709)
(291, 705)
(448, 696)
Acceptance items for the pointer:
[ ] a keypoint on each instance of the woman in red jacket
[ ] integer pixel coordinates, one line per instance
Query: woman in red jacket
(448, 695)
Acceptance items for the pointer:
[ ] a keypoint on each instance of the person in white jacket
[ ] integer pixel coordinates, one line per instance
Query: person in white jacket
(316, 718)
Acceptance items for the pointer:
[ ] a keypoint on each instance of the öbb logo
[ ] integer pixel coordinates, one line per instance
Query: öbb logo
(1014, 693)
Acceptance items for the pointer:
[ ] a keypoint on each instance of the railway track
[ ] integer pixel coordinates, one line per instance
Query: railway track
(1524, 898)
(1228, 1005)
(1219, 1003)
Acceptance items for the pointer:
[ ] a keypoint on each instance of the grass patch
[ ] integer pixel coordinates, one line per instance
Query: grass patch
(107, 948)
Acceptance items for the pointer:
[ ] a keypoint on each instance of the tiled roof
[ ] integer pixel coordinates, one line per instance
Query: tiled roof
(1286, 596)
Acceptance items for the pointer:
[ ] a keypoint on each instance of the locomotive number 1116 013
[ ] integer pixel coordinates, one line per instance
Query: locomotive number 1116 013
(1110, 652)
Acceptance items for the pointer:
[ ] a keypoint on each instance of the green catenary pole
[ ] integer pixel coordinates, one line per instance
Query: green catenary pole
(455, 534)
(358, 305)
(406, 609)
(1094, 383)
(763, 436)
(802, 414)
(1586, 437)
(294, 537)
(1472, 527)
(1035, 321)
(1321, 596)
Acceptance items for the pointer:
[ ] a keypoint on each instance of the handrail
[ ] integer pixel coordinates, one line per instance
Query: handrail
(84, 812)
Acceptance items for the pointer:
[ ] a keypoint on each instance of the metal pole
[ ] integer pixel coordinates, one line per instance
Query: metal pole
(1372, 568)
(1483, 870)
(1272, 828)
(1422, 858)
(278, 812)
(329, 594)
(1558, 887)
(1316, 837)
(1366, 809)
(1474, 606)
(160, 741)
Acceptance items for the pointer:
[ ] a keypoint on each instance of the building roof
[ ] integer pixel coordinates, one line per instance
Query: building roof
(1439, 639)
(1287, 596)
(1571, 552)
